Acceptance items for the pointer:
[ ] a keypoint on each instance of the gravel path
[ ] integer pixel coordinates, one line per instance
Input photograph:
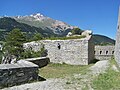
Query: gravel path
(51, 84)
(76, 82)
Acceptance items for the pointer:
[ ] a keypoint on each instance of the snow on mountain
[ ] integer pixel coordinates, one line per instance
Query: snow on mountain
(39, 20)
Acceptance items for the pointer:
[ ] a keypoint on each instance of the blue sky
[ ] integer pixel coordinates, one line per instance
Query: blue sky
(97, 15)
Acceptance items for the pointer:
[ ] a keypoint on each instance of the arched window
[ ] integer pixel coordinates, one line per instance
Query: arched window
(100, 52)
(106, 52)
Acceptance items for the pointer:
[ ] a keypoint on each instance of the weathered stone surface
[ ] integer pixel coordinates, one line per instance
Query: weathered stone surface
(87, 32)
(74, 51)
(104, 52)
(91, 48)
(13, 74)
(40, 61)
(117, 45)
(35, 46)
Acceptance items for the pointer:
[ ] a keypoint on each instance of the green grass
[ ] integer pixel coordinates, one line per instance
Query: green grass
(62, 70)
(109, 80)
(66, 38)
(105, 81)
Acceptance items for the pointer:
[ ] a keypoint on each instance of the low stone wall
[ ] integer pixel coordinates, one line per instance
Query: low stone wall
(14, 74)
(104, 52)
(40, 61)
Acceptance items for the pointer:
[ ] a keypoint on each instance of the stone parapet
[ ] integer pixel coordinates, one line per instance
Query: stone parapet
(72, 51)
(20, 73)
(40, 61)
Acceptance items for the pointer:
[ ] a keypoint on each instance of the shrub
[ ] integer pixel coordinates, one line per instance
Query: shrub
(32, 54)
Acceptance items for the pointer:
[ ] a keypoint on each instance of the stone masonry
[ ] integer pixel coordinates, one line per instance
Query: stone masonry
(104, 52)
(117, 45)
(73, 51)
(19, 73)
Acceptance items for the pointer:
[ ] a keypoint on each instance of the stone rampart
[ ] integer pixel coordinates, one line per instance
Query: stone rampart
(104, 52)
(117, 44)
(40, 61)
(72, 51)
(34, 45)
(14, 74)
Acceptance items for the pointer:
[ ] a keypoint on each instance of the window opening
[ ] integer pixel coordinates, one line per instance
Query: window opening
(106, 52)
(59, 46)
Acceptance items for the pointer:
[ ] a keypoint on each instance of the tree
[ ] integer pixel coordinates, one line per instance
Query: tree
(76, 31)
(37, 36)
(14, 43)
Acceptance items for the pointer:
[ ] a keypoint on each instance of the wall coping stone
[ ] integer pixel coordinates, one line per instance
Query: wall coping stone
(19, 64)
(81, 39)
(31, 59)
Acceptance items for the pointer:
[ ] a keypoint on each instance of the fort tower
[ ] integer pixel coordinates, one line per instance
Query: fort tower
(117, 45)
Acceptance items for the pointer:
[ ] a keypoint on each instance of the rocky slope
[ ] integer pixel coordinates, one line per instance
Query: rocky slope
(39, 20)
(38, 23)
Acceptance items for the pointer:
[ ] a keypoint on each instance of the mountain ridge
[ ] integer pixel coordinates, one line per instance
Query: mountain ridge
(39, 20)
(38, 23)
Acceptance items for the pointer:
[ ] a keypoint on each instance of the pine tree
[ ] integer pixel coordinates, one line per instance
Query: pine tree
(14, 43)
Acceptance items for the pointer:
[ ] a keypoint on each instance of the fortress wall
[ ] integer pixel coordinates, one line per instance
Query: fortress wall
(91, 48)
(117, 44)
(19, 73)
(117, 48)
(74, 51)
(104, 52)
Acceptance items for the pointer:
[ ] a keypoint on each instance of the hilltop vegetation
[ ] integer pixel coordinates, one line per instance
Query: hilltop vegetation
(102, 40)
(8, 24)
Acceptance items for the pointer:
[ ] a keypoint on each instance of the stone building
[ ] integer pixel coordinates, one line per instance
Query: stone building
(71, 51)
(104, 52)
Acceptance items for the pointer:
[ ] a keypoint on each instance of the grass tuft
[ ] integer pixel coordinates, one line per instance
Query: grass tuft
(62, 70)
(109, 80)
(66, 38)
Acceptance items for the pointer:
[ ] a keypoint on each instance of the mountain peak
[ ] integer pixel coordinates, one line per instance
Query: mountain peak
(37, 15)
(39, 20)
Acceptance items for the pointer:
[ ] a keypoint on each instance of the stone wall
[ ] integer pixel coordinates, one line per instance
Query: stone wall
(117, 45)
(104, 52)
(14, 74)
(91, 48)
(40, 61)
(34, 45)
(74, 51)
